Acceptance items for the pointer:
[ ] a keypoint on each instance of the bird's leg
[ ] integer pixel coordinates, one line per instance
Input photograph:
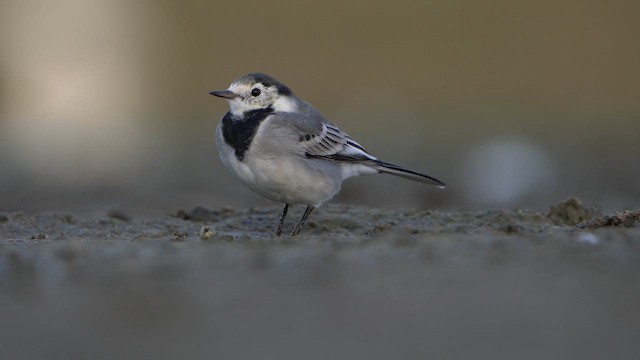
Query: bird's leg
(281, 222)
(296, 230)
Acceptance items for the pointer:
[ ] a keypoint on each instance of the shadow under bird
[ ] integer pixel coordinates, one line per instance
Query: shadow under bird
(284, 149)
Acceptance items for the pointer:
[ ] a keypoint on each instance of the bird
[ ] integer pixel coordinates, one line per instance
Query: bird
(283, 148)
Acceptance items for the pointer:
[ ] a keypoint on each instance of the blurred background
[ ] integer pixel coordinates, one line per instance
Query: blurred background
(104, 104)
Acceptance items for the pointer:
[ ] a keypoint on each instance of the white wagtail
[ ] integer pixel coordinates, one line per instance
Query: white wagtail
(282, 148)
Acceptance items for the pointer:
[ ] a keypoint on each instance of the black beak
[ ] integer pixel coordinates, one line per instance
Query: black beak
(224, 94)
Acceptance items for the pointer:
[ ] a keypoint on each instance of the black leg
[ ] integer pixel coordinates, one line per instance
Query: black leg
(284, 214)
(300, 224)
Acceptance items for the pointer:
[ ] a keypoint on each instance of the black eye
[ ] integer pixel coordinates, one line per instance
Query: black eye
(255, 92)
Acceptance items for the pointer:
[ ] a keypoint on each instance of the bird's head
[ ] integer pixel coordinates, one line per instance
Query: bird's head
(257, 91)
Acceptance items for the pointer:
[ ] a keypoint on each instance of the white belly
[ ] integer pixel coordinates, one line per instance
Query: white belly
(288, 179)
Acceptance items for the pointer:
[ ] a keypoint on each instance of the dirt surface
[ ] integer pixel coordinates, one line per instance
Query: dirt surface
(359, 283)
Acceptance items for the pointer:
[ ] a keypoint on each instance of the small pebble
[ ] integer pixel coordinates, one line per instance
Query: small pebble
(207, 233)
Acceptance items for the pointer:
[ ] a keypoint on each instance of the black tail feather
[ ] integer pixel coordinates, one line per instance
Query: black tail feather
(388, 168)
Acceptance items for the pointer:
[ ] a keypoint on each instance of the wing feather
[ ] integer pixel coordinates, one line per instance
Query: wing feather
(319, 138)
(311, 135)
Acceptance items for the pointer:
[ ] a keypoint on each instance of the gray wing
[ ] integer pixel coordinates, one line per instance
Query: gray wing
(319, 138)
(313, 136)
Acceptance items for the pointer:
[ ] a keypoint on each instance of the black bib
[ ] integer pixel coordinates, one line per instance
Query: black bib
(238, 132)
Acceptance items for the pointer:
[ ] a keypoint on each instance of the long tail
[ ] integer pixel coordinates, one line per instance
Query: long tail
(388, 168)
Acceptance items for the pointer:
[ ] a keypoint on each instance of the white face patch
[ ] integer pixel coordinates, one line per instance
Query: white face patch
(238, 106)
(246, 101)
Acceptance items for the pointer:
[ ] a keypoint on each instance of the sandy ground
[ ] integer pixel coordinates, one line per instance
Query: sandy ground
(359, 283)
